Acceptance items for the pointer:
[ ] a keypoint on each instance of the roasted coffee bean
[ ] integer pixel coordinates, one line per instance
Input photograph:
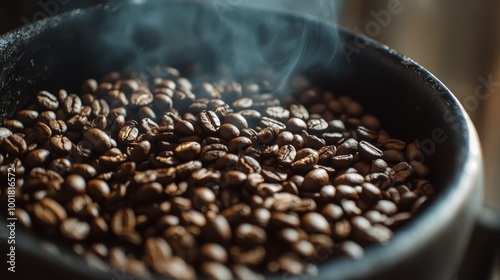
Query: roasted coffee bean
(414, 152)
(129, 132)
(37, 158)
(386, 207)
(349, 146)
(187, 151)
(72, 104)
(274, 174)
(228, 131)
(47, 101)
(286, 155)
(213, 252)
(217, 230)
(420, 170)
(208, 121)
(141, 97)
(351, 179)
(381, 180)
(73, 229)
(299, 111)
(265, 121)
(60, 145)
(370, 192)
(249, 165)
(98, 140)
(316, 126)
(267, 135)
(315, 223)
(400, 172)
(14, 144)
(326, 154)
(239, 144)
(368, 151)
(342, 161)
(236, 119)
(213, 152)
(49, 212)
(378, 166)
(123, 220)
(296, 125)
(314, 180)
(393, 156)
(366, 134)
(305, 160)
(14, 126)
(27, 117)
(346, 192)
(99, 107)
(281, 220)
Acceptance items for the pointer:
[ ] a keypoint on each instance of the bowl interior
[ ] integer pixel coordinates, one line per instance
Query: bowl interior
(64, 51)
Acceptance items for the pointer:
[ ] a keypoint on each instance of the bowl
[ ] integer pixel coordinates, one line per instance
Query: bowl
(62, 51)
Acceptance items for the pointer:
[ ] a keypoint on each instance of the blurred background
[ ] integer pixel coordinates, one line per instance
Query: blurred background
(457, 40)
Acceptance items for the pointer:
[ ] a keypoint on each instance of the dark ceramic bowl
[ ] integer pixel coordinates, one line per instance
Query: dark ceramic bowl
(412, 104)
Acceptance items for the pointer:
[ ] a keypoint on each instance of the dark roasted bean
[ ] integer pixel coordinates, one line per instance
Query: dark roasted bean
(314, 180)
(208, 121)
(400, 172)
(369, 152)
(47, 101)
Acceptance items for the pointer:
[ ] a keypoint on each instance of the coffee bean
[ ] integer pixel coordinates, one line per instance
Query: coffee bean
(368, 151)
(349, 146)
(187, 151)
(265, 121)
(27, 117)
(370, 192)
(386, 207)
(267, 135)
(49, 212)
(58, 126)
(366, 134)
(217, 230)
(213, 252)
(174, 268)
(213, 152)
(14, 126)
(123, 220)
(316, 126)
(141, 97)
(14, 144)
(400, 172)
(351, 179)
(37, 158)
(129, 132)
(47, 101)
(286, 155)
(315, 223)
(248, 234)
(305, 160)
(208, 121)
(98, 140)
(249, 165)
(381, 180)
(282, 220)
(419, 169)
(314, 180)
(72, 104)
(296, 125)
(74, 229)
(299, 111)
(236, 119)
(60, 145)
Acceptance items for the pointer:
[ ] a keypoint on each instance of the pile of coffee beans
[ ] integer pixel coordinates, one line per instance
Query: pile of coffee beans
(218, 179)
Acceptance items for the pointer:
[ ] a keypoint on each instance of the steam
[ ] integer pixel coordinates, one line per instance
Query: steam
(242, 36)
